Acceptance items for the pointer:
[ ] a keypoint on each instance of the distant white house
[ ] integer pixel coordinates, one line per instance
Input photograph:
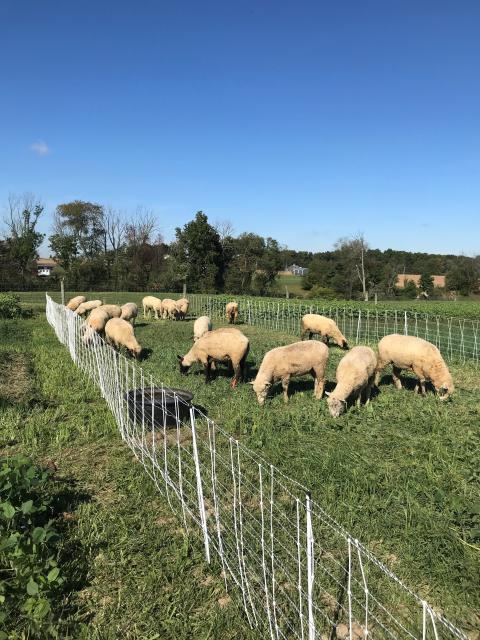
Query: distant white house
(45, 266)
(296, 270)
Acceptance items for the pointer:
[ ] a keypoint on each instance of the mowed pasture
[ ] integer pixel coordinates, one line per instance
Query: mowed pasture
(401, 475)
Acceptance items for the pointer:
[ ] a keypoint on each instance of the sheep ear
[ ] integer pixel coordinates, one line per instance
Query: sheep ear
(180, 358)
(252, 382)
(327, 393)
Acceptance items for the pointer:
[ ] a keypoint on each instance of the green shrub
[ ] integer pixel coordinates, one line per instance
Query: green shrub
(29, 575)
(10, 306)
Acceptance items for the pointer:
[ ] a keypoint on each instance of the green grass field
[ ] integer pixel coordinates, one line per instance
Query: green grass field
(402, 475)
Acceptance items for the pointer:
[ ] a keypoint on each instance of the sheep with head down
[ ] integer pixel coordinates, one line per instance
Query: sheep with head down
(152, 303)
(95, 323)
(312, 323)
(355, 376)
(113, 310)
(219, 345)
(421, 356)
(170, 309)
(129, 311)
(87, 306)
(119, 333)
(182, 308)
(75, 302)
(295, 359)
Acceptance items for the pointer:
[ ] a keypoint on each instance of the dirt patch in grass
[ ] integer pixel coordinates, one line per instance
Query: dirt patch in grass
(16, 380)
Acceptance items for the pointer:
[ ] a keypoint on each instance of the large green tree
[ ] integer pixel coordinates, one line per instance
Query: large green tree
(199, 250)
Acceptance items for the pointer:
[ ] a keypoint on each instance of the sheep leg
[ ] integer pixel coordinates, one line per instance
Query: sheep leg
(285, 383)
(208, 366)
(319, 385)
(368, 390)
(420, 386)
(358, 400)
(396, 377)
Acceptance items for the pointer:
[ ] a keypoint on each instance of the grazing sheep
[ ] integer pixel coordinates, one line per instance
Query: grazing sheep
(422, 357)
(325, 327)
(129, 311)
(219, 345)
(232, 312)
(151, 303)
(201, 326)
(95, 323)
(170, 310)
(75, 302)
(86, 307)
(119, 333)
(355, 374)
(113, 310)
(182, 308)
(295, 359)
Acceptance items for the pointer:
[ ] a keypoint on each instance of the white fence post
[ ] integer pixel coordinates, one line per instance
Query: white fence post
(201, 502)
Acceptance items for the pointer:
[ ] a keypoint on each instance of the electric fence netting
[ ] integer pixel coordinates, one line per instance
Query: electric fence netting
(297, 572)
(458, 339)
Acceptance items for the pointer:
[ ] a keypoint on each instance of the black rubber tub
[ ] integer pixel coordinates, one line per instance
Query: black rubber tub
(137, 408)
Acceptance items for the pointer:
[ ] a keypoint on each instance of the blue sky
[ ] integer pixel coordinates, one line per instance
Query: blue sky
(305, 121)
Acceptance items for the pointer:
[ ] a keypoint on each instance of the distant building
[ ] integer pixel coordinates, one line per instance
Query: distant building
(45, 266)
(296, 270)
(403, 278)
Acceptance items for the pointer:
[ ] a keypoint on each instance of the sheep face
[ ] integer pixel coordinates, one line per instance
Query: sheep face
(336, 406)
(183, 367)
(136, 352)
(446, 390)
(345, 345)
(261, 391)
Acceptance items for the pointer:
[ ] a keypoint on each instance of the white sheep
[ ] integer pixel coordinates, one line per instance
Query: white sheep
(119, 333)
(219, 345)
(151, 303)
(312, 323)
(231, 310)
(201, 326)
(355, 375)
(87, 306)
(169, 308)
(422, 357)
(295, 359)
(75, 302)
(95, 323)
(129, 311)
(182, 308)
(113, 310)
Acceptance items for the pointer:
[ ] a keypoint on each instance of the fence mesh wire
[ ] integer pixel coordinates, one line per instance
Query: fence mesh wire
(297, 572)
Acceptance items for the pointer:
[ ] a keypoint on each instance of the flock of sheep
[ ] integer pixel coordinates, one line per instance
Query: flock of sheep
(357, 372)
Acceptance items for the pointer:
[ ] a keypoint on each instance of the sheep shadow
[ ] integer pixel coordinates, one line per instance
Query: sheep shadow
(408, 382)
(145, 354)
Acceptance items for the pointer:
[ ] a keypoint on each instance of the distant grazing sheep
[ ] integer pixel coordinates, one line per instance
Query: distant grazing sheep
(182, 308)
(201, 326)
(129, 311)
(86, 307)
(313, 323)
(422, 357)
(232, 312)
(119, 333)
(113, 310)
(151, 303)
(355, 375)
(295, 359)
(75, 302)
(219, 345)
(170, 310)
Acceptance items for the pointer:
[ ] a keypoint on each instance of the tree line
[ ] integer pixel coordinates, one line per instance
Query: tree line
(98, 247)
